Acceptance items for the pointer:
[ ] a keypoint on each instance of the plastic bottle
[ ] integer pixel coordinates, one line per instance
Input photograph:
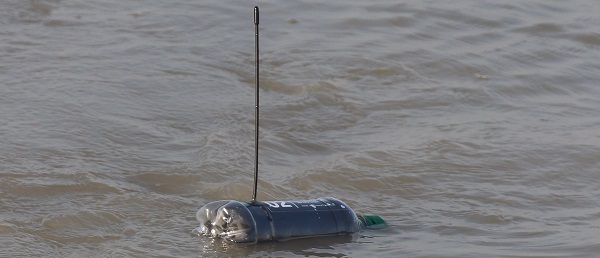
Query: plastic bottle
(251, 222)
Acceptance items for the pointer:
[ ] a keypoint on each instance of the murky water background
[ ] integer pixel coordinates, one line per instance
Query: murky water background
(472, 127)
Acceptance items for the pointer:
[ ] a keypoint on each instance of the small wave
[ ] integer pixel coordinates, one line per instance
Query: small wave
(587, 38)
(29, 11)
(85, 219)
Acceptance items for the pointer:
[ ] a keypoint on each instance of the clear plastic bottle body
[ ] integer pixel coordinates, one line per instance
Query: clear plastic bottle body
(251, 222)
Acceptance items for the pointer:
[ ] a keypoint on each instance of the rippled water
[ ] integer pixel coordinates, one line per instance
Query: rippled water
(470, 126)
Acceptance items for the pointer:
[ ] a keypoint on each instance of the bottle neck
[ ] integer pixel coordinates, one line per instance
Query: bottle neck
(371, 221)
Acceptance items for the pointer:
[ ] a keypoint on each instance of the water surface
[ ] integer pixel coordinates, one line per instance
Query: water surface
(470, 126)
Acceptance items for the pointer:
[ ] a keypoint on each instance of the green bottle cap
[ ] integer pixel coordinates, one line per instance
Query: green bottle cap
(372, 221)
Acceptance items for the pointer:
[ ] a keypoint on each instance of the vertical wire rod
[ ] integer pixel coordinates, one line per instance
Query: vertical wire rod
(256, 105)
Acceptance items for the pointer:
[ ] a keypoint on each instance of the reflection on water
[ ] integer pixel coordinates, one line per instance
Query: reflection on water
(470, 126)
(334, 246)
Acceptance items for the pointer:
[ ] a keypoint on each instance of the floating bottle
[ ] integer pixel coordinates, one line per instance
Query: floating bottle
(252, 222)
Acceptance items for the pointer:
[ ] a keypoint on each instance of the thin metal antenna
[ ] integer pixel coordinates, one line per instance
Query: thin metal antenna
(256, 105)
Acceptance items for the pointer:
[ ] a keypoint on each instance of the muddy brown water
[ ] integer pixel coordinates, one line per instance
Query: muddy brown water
(472, 127)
